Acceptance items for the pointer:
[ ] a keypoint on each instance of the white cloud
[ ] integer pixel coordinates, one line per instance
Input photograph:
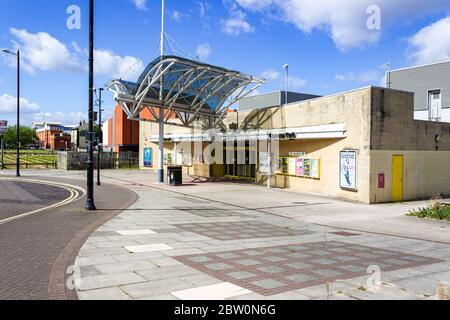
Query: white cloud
(176, 15)
(8, 105)
(271, 75)
(345, 20)
(140, 4)
(295, 83)
(237, 23)
(255, 5)
(432, 43)
(43, 52)
(203, 51)
(72, 118)
(369, 76)
(109, 64)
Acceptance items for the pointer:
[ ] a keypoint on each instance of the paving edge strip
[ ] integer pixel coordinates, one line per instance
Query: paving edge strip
(57, 289)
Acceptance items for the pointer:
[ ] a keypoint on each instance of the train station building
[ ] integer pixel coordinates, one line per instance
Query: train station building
(363, 145)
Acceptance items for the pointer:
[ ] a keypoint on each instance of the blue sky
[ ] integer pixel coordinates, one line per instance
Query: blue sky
(327, 44)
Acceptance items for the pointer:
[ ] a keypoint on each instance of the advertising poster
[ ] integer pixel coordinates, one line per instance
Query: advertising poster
(148, 157)
(348, 170)
(315, 169)
(168, 158)
(184, 159)
(264, 166)
(284, 166)
(278, 166)
(293, 166)
(307, 167)
(299, 167)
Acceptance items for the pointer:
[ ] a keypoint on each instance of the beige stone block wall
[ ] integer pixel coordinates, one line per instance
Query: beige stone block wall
(328, 151)
(425, 174)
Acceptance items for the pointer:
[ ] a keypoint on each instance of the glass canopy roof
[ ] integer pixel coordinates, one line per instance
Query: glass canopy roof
(191, 89)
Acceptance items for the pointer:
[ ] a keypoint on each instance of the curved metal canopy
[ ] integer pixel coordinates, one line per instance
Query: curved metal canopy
(190, 89)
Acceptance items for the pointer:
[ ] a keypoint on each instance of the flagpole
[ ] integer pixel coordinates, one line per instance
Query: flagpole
(161, 99)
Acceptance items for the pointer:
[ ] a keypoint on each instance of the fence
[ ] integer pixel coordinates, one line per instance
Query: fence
(108, 160)
(29, 159)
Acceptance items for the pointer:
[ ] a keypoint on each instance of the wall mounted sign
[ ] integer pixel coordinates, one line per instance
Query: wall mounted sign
(3, 126)
(297, 154)
(348, 162)
(381, 181)
(148, 157)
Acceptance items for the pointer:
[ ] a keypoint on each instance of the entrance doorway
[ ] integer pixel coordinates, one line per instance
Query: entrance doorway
(434, 104)
(397, 178)
(236, 168)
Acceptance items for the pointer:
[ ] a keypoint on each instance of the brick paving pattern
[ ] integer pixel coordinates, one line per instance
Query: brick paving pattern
(275, 270)
(30, 246)
(241, 230)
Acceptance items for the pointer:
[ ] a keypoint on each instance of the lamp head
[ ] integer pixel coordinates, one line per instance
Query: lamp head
(8, 51)
(286, 66)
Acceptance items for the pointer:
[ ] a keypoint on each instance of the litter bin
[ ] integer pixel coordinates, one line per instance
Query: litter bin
(175, 176)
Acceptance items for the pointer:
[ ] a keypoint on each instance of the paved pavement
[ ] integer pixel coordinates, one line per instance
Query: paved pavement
(232, 241)
(36, 250)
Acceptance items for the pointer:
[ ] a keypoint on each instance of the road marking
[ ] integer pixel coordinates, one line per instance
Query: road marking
(75, 192)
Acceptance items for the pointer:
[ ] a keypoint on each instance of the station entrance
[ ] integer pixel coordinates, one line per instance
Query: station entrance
(240, 161)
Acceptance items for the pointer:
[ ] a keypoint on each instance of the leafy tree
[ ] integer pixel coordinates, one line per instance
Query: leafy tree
(27, 136)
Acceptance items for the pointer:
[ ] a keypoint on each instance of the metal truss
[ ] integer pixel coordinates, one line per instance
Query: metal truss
(186, 90)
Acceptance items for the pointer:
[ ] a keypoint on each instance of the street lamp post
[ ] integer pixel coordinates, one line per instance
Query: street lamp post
(100, 138)
(18, 109)
(90, 205)
(286, 67)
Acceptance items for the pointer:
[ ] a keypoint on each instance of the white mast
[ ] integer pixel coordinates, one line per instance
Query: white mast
(161, 112)
(162, 27)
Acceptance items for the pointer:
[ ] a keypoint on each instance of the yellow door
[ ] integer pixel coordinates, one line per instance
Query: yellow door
(397, 178)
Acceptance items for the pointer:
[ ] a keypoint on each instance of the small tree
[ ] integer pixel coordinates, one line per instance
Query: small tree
(27, 136)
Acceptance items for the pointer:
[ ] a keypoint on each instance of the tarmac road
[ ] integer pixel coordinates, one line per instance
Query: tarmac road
(36, 250)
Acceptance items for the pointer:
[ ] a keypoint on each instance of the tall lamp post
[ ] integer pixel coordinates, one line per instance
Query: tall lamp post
(18, 109)
(100, 138)
(90, 205)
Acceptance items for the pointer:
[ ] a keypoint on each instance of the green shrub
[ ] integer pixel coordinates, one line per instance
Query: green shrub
(438, 211)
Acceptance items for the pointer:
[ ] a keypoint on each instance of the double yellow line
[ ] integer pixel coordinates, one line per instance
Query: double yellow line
(75, 193)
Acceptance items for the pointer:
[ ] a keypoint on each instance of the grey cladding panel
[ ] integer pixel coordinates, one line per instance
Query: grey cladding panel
(422, 79)
(273, 99)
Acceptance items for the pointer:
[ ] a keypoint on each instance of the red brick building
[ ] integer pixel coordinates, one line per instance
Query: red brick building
(53, 137)
(121, 134)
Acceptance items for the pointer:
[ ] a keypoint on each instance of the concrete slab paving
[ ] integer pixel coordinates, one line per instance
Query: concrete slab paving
(327, 221)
